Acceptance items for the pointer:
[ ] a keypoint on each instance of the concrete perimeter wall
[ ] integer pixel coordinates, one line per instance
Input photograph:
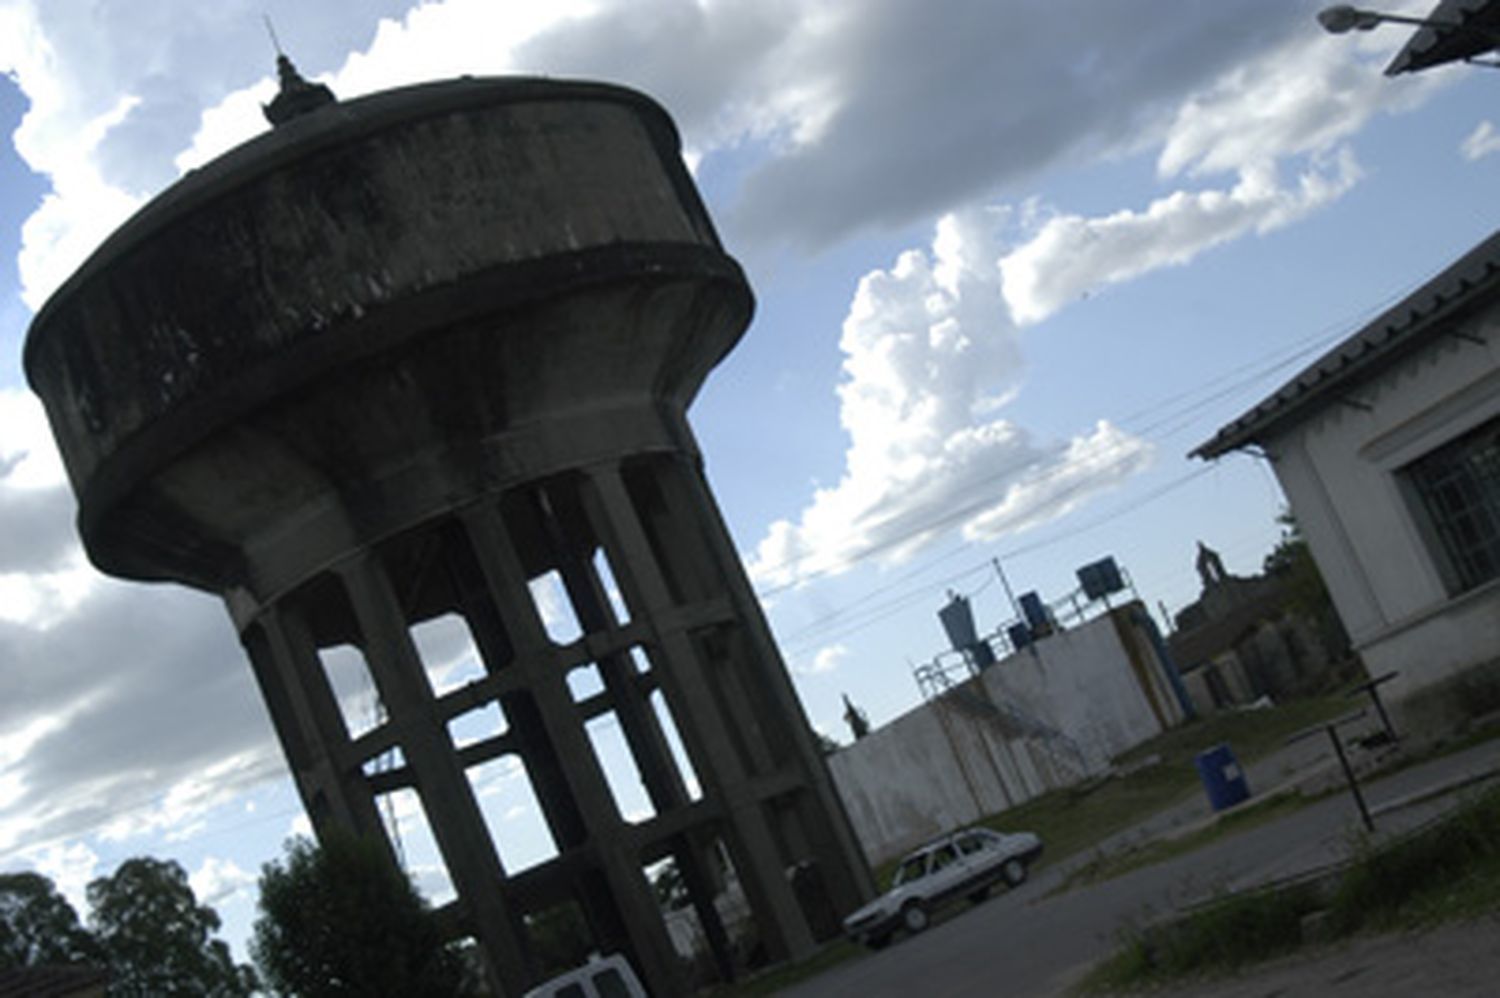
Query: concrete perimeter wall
(1039, 720)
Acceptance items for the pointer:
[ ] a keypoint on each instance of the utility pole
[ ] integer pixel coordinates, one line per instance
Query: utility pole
(1015, 607)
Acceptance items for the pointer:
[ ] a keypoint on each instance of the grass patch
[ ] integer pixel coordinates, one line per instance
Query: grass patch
(1223, 938)
(1448, 870)
(1432, 866)
(1071, 821)
(1252, 733)
(1107, 867)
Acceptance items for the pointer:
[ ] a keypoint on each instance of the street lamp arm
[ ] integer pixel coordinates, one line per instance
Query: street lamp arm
(1342, 18)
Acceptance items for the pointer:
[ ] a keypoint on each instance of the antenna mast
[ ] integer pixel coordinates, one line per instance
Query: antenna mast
(271, 30)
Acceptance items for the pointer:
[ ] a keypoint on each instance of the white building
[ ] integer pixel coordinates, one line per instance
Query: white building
(1388, 448)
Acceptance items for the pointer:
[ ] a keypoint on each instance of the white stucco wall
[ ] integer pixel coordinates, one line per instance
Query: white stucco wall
(1340, 471)
(1081, 682)
(902, 784)
(948, 763)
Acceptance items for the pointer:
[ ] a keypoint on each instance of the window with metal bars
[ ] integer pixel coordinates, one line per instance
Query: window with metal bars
(1458, 487)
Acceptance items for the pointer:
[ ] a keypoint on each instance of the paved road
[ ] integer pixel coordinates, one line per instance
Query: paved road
(1024, 944)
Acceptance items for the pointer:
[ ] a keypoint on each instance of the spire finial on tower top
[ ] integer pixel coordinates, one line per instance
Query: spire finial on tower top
(297, 96)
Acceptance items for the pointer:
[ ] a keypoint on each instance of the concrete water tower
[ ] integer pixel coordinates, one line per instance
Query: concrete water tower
(407, 358)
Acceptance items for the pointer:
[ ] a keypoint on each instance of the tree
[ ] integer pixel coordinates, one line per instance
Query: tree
(1307, 593)
(341, 920)
(38, 925)
(560, 938)
(156, 937)
(1292, 560)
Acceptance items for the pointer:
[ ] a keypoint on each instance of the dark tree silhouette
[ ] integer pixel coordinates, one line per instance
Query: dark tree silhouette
(156, 939)
(39, 926)
(339, 920)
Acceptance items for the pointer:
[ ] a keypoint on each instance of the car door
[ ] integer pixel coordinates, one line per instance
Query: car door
(947, 872)
(980, 857)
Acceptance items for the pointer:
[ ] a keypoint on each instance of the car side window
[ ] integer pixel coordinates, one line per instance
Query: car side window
(942, 857)
(913, 869)
(970, 844)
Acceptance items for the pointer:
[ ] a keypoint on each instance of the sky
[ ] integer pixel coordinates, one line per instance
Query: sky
(1013, 259)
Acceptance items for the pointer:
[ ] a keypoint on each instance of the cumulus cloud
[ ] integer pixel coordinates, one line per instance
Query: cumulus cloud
(1072, 255)
(91, 667)
(43, 573)
(931, 347)
(429, 41)
(1291, 109)
(1008, 90)
(92, 701)
(217, 880)
(825, 660)
(70, 867)
(1301, 97)
(930, 355)
(851, 130)
(117, 91)
(1481, 142)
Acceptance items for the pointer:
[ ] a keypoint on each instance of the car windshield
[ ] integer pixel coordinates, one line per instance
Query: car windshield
(610, 984)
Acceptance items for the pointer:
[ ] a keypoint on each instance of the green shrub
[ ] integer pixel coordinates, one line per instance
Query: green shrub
(1383, 880)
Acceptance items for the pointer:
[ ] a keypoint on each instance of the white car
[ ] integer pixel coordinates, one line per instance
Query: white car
(964, 864)
(602, 977)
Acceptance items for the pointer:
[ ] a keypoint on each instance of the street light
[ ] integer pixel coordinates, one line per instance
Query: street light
(1342, 18)
(1455, 31)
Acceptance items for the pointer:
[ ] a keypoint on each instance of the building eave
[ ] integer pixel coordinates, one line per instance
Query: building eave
(1412, 323)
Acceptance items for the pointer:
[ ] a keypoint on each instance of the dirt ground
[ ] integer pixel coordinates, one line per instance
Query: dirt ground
(1461, 960)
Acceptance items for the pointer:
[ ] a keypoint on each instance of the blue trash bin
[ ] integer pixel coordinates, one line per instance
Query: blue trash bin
(1222, 777)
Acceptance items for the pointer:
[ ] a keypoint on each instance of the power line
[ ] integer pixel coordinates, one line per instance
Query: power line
(140, 804)
(942, 520)
(1025, 549)
(798, 642)
(1181, 417)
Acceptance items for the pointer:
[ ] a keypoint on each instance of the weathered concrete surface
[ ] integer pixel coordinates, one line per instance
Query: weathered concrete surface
(335, 299)
(401, 359)
(1102, 684)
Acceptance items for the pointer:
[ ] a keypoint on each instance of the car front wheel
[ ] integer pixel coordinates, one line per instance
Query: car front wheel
(1014, 872)
(914, 918)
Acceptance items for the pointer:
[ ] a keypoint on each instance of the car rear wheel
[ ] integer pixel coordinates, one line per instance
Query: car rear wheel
(914, 917)
(1014, 872)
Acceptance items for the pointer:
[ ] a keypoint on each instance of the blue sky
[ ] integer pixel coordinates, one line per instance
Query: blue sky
(1012, 261)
